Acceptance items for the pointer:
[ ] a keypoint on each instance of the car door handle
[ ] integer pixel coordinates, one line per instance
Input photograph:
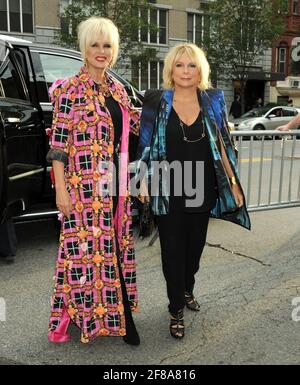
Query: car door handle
(27, 126)
(12, 120)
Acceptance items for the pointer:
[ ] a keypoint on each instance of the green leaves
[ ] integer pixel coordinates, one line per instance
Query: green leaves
(240, 31)
(125, 14)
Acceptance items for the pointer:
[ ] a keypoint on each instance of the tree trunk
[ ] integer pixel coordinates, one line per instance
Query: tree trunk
(243, 87)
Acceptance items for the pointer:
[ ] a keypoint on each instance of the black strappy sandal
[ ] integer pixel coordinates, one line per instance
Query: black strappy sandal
(177, 324)
(190, 302)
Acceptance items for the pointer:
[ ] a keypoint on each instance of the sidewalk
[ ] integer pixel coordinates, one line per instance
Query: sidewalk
(246, 286)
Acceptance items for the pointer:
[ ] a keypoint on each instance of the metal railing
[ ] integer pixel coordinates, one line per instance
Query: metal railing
(269, 168)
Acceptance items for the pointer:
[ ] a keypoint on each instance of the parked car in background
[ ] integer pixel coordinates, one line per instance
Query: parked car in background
(265, 118)
(26, 72)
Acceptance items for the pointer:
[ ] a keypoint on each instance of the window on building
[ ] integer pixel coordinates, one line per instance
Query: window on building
(16, 16)
(195, 28)
(295, 7)
(281, 62)
(148, 75)
(154, 25)
(27, 16)
(3, 15)
(282, 100)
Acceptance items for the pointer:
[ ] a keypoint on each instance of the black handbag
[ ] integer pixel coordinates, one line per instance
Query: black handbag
(146, 220)
(8, 241)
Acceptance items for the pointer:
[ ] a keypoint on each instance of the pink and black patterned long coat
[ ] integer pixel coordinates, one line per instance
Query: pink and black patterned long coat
(87, 282)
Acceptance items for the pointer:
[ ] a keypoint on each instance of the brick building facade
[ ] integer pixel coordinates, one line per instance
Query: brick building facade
(286, 58)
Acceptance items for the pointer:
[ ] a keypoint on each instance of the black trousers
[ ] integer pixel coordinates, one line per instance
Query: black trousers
(182, 239)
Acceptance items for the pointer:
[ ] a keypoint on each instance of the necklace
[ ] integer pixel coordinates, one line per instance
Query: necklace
(102, 87)
(184, 135)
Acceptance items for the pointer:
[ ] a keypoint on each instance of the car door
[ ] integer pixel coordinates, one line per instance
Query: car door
(48, 71)
(2, 171)
(50, 66)
(288, 114)
(275, 118)
(22, 138)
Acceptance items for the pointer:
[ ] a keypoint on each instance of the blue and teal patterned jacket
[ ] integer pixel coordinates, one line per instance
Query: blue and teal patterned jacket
(152, 147)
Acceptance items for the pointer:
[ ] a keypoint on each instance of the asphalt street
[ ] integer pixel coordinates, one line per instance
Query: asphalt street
(246, 286)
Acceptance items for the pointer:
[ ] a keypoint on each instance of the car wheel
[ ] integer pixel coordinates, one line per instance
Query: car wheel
(258, 127)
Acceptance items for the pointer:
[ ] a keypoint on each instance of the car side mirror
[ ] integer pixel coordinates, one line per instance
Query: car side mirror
(272, 116)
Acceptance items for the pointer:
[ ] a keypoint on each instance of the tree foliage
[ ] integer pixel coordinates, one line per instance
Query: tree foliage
(240, 31)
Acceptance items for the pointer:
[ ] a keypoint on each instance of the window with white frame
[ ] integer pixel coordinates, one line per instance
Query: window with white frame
(295, 7)
(195, 28)
(154, 26)
(281, 62)
(148, 75)
(16, 16)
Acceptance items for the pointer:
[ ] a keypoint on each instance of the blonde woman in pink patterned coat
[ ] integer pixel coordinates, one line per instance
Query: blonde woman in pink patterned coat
(95, 278)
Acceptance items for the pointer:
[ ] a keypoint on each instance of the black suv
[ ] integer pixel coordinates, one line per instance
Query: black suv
(26, 72)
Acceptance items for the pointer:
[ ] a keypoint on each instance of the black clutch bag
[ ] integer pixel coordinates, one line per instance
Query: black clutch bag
(146, 220)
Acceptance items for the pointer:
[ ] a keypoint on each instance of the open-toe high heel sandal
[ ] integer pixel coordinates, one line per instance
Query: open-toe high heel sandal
(177, 324)
(190, 302)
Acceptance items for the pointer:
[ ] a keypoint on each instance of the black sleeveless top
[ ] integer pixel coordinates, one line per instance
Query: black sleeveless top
(116, 115)
(182, 151)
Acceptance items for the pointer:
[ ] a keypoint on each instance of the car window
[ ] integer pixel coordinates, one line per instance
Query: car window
(3, 52)
(289, 112)
(58, 67)
(10, 82)
(255, 113)
(277, 112)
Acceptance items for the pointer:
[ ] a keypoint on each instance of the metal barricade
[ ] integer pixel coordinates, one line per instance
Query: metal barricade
(269, 168)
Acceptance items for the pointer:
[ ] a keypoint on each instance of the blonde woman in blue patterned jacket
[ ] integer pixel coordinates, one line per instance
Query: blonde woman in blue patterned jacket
(187, 124)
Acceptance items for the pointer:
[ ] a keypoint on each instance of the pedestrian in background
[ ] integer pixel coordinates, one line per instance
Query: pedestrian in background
(259, 103)
(95, 278)
(236, 107)
(187, 123)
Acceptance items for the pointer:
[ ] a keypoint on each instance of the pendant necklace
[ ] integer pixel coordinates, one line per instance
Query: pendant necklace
(184, 134)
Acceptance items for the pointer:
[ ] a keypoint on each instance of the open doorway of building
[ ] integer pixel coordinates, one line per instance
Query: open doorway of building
(254, 89)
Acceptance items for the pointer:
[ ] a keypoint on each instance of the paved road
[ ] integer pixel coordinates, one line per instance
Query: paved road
(246, 286)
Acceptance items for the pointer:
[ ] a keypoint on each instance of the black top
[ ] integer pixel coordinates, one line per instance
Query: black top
(116, 115)
(178, 149)
(236, 109)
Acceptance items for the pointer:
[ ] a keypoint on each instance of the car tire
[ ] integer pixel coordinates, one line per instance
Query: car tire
(258, 127)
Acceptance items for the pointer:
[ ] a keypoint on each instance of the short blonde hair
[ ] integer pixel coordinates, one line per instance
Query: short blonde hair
(199, 58)
(89, 30)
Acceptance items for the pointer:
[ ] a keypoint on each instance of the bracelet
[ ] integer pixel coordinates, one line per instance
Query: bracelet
(233, 180)
(57, 154)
